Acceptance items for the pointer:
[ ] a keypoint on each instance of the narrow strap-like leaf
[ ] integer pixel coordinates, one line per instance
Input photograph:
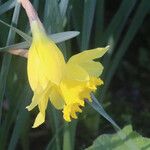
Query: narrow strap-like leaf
(98, 107)
(63, 36)
(21, 45)
(22, 34)
(7, 6)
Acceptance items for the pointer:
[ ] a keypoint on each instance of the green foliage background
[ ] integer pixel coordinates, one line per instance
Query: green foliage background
(124, 25)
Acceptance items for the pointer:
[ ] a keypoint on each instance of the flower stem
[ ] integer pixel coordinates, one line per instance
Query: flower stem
(31, 12)
(67, 143)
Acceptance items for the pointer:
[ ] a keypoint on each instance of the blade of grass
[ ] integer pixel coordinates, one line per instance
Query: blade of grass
(36, 4)
(116, 27)
(99, 21)
(63, 5)
(98, 107)
(5, 65)
(64, 36)
(88, 15)
(57, 38)
(21, 119)
(22, 34)
(113, 33)
(15, 96)
(141, 13)
(119, 20)
(76, 17)
(15, 46)
(53, 20)
(52, 141)
(56, 123)
(7, 58)
(7, 6)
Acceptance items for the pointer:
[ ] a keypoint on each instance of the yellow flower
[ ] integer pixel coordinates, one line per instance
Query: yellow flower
(65, 84)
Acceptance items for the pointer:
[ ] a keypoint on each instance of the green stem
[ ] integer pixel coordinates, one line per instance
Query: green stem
(67, 143)
(56, 124)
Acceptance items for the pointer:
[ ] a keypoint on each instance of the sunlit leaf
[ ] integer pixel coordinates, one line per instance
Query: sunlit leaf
(114, 142)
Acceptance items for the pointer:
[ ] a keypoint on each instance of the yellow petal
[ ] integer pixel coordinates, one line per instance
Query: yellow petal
(49, 55)
(36, 74)
(34, 103)
(33, 64)
(70, 111)
(56, 98)
(40, 94)
(43, 105)
(93, 68)
(71, 90)
(75, 72)
(88, 55)
(39, 120)
(41, 115)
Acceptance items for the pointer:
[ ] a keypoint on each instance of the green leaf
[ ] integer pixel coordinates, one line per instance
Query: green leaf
(89, 6)
(21, 119)
(53, 21)
(99, 108)
(7, 6)
(118, 22)
(114, 142)
(141, 12)
(22, 34)
(99, 21)
(64, 36)
(63, 5)
(4, 72)
(57, 38)
(15, 46)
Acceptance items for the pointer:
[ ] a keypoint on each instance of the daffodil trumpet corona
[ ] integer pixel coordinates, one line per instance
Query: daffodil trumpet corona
(65, 84)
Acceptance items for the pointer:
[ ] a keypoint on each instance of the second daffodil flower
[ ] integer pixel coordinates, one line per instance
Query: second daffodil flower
(65, 84)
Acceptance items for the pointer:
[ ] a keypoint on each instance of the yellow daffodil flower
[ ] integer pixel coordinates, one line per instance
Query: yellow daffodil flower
(65, 84)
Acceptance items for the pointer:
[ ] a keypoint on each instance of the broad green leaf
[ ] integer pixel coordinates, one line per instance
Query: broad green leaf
(114, 142)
